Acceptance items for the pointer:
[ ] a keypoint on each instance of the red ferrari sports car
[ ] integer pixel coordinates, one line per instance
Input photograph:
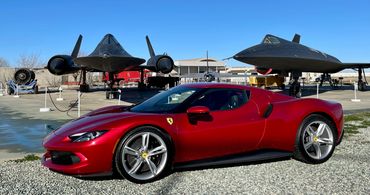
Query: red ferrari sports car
(193, 125)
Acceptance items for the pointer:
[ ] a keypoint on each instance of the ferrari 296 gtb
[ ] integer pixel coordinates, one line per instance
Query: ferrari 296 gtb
(195, 125)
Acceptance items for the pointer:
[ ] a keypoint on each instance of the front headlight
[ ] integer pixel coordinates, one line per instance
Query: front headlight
(86, 136)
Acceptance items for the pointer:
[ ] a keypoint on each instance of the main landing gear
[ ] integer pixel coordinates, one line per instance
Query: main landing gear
(295, 86)
(361, 84)
(113, 92)
(325, 77)
(84, 87)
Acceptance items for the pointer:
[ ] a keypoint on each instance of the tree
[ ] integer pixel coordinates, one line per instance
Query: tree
(3, 62)
(6, 73)
(29, 61)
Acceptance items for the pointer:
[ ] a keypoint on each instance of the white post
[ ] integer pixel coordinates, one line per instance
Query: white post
(1, 89)
(355, 90)
(60, 94)
(45, 109)
(317, 91)
(79, 104)
(119, 97)
(46, 93)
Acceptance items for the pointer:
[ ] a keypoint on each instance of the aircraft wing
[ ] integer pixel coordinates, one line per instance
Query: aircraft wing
(110, 63)
(356, 65)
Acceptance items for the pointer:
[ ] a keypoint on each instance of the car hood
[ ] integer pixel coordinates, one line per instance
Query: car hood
(100, 119)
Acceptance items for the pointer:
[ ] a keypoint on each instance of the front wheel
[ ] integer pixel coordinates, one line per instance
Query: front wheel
(143, 155)
(315, 142)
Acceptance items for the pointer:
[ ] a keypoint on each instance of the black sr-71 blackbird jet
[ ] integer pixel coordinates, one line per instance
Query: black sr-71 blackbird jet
(108, 56)
(279, 56)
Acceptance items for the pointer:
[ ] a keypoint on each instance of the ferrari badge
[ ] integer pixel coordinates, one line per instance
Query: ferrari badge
(170, 120)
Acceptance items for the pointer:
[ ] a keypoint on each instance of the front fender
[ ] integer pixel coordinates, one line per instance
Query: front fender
(158, 120)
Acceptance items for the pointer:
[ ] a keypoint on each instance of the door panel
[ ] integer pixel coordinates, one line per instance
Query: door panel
(224, 132)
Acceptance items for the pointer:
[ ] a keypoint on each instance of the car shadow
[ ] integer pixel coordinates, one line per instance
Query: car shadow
(180, 169)
(176, 178)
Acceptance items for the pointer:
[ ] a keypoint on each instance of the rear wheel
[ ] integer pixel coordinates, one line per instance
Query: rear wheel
(143, 155)
(315, 142)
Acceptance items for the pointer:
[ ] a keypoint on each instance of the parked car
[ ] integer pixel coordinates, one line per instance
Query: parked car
(195, 125)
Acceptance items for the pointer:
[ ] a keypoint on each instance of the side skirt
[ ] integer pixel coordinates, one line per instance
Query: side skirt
(260, 156)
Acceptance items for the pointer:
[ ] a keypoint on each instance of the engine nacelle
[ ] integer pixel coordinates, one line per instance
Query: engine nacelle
(62, 64)
(24, 76)
(160, 63)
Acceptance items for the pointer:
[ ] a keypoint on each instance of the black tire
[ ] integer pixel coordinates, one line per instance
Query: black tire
(300, 153)
(361, 86)
(295, 89)
(10, 91)
(166, 166)
(340, 138)
(282, 87)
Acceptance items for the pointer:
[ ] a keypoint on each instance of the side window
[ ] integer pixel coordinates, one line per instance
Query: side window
(222, 99)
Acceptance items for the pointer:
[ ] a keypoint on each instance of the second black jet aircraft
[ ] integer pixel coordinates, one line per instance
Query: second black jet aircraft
(108, 56)
(280, 56)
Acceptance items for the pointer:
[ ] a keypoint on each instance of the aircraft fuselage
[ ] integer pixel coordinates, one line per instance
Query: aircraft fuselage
(282, 55)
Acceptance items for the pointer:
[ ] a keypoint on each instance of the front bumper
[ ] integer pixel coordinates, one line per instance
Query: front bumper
(79, 158)
(79, 166)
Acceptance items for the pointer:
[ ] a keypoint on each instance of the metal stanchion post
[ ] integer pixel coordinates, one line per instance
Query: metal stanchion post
(79, 104)
(119, 96)
(60, 94)
(1, 89)
(317, 91)
(45, 109)
(355, 86)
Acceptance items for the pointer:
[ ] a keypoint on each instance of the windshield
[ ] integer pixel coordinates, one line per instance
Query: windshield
(166, 101)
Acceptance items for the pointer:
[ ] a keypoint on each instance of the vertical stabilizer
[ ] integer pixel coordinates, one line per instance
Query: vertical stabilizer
(151, 50)
(76, 49)
(296, 38)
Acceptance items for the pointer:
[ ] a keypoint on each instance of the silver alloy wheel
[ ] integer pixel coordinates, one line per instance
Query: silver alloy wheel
(144, 155)
(318, 140)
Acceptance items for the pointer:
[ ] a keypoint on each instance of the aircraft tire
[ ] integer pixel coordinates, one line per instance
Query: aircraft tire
(361, 86)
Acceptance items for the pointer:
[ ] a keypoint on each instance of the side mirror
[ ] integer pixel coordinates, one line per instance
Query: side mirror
(198, 110)
(198, 113)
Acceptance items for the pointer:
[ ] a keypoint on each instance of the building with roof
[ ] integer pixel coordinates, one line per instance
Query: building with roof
(198, 65)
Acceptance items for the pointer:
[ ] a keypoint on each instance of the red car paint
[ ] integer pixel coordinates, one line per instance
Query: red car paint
(234, 131)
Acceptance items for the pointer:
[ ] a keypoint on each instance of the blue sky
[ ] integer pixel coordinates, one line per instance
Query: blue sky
(184, 28)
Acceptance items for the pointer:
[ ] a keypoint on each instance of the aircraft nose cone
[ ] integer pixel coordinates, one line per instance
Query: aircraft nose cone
(241, 56)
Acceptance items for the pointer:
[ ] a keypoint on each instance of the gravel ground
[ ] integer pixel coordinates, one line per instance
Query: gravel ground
(347, 172)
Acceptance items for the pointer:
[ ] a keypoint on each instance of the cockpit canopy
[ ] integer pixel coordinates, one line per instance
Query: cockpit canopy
(271, 40)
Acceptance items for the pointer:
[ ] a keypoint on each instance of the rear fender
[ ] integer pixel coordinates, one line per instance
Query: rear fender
(283, 123)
